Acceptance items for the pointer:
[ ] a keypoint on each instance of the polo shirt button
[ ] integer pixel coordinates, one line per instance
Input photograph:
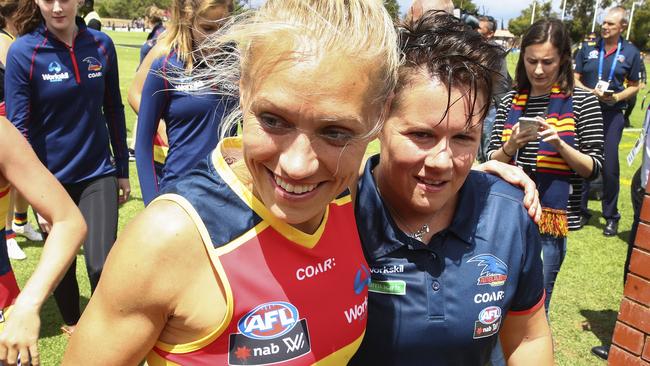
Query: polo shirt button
(435, 285)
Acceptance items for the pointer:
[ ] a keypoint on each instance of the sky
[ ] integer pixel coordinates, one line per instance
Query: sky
(500, 9)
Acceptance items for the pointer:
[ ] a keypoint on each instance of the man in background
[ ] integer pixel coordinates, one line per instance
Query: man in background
(602, 68)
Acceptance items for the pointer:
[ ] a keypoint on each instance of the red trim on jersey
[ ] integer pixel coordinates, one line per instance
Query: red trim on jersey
(533, 309)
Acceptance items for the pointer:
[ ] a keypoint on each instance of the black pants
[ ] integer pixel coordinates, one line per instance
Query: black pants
(636, 193)
(97, 201)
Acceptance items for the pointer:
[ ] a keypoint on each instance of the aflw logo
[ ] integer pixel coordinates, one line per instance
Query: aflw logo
(295, 343)
(357, 312)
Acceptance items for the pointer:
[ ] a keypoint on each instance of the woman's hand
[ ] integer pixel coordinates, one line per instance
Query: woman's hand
(516, 176)
(124, 190)
(20, 337)
(549, 134)
(609, 99)
(520, 137)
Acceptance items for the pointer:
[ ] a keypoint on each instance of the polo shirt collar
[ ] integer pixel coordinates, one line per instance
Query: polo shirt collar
(379, 232)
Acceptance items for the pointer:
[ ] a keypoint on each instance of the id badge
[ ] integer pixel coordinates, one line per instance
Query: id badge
(602, 85)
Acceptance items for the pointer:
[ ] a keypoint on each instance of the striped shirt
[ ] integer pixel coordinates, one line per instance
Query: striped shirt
(589, 139)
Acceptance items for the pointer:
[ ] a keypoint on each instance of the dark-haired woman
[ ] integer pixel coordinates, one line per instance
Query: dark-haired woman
(447, 275)
(565, 143)
(62, 92)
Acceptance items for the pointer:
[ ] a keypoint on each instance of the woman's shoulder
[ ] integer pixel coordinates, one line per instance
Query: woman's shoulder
(584, 99)
(164, 226)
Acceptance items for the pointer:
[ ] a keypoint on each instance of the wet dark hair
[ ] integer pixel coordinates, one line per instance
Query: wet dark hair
(443, 47)
(542, 31)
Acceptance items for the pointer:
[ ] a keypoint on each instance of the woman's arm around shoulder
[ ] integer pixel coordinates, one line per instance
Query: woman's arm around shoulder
(144, 279)
(20, 167)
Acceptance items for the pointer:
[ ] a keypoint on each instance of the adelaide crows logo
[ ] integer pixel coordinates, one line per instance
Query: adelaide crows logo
(494, 272)
(93, 64)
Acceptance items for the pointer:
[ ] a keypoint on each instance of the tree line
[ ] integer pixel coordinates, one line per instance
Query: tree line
(134, 9)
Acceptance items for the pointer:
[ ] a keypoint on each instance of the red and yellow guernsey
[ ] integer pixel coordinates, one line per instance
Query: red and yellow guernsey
(8, 286)
(293, 298)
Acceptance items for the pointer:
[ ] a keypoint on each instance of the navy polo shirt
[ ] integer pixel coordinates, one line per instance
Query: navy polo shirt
(628, 67)
(444, 303)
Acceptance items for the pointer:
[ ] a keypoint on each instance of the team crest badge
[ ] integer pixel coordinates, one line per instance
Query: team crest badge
(493, 271)
(93, 64)
(593, 54)
(621, 58)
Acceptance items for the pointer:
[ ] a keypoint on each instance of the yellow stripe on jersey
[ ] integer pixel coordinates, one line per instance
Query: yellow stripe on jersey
(221, 276)
(286, 230)
(160, 153)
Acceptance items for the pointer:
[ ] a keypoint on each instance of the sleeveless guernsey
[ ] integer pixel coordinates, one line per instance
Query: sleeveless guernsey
(8, 286)
(292, 298)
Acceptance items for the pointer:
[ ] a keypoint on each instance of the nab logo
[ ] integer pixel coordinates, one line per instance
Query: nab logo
(54, 67)
(269, 320)
(361, 280)
(494, 272)
(489, 315)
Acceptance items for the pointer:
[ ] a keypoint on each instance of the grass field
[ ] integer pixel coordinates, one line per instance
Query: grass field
(586, 296)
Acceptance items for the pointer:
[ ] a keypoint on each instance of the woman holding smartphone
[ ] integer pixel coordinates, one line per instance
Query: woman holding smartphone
(554, 131)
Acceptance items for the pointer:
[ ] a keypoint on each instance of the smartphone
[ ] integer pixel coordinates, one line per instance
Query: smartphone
(608, 93)
(528, 124)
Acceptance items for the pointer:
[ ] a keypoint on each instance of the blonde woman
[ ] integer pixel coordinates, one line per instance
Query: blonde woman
(191, 120)
(254, 255)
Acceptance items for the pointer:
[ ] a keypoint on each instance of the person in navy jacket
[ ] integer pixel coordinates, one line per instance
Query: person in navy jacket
(62, 93)
(192, 121)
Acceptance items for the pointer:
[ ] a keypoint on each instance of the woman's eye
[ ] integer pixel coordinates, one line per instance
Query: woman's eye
(272, 122)
(337, 136)
(467, 138)
(420, 134)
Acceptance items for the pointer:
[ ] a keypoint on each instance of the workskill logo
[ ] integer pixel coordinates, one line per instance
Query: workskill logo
(55, 75)
(269, 333)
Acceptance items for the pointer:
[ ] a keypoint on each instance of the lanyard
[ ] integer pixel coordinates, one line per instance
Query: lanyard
(602, 57)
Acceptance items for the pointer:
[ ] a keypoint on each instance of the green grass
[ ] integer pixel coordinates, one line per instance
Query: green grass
(586, 296)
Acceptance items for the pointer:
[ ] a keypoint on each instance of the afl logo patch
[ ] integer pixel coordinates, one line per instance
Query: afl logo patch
(270, 333)
(270, 320)
(490, 315)
(488, 323)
